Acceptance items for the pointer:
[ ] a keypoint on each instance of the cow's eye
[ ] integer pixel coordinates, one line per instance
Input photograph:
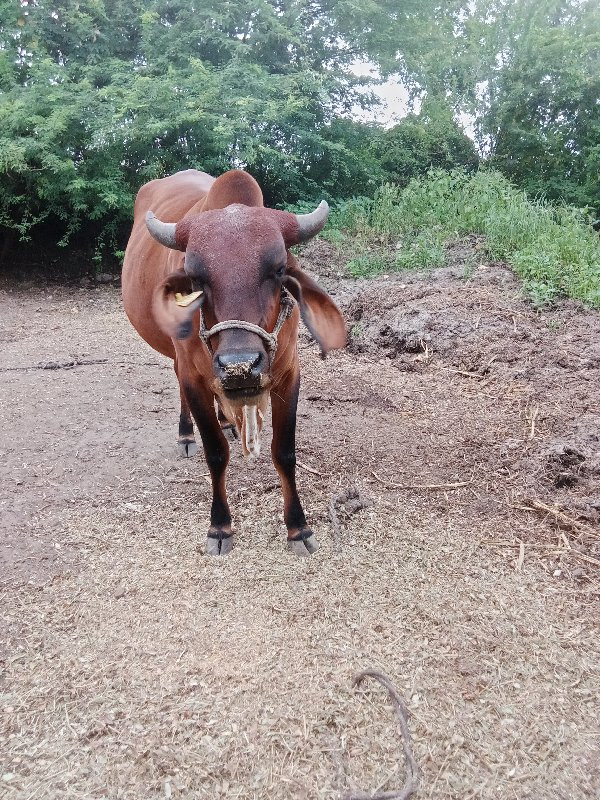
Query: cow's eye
(281, 271)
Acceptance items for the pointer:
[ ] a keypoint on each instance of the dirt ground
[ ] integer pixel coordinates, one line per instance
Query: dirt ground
(134, 666)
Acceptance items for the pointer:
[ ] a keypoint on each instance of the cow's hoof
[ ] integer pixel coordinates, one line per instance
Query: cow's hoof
(305, 544)
(219, 543)
(186, 448)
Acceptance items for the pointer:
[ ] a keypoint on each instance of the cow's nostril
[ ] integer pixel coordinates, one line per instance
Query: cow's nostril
(239, 363)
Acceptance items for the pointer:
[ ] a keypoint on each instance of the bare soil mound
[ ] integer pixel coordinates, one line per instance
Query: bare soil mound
(450, 468)
(473, 324)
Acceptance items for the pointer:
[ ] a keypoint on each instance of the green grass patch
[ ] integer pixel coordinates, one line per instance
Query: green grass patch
(554, 250)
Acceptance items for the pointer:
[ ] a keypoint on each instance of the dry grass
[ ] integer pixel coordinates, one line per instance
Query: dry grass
(233, 678)
(142, 669)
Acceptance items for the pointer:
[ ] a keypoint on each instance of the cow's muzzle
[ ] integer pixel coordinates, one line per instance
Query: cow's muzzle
(241, 373)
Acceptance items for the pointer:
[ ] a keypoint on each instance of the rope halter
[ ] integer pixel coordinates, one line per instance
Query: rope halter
(286, 305)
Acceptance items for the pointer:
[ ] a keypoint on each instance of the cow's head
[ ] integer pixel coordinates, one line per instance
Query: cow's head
(237, 257)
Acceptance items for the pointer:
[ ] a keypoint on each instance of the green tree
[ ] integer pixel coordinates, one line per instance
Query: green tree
(421, 142)
(97, 96)
(542, 114)
(528, 72)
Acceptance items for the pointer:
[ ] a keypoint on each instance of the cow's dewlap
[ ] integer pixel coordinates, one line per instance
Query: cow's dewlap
(251, 430)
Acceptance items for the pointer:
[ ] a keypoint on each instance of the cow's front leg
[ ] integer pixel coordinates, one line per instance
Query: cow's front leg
(186, 443)
(219, 540)
(284, 401)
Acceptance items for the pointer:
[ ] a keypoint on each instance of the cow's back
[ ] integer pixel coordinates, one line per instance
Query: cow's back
(146, 261)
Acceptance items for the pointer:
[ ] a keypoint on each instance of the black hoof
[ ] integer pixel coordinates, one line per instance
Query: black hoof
(304, 544)
(218, 543)
(186, 448)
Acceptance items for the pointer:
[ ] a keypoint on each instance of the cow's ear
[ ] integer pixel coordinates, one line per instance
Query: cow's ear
(319, 313)
(174, 304)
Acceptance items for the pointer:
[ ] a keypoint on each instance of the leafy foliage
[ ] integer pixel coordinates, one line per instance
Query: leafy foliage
(527, 71)
(553, 249)
(543, 111)
(429, 140)
(99, 96)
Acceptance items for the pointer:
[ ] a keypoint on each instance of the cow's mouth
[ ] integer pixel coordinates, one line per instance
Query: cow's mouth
(243, 393)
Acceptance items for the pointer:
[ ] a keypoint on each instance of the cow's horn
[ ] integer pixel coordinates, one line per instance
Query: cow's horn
(163, 232)
(310, 224)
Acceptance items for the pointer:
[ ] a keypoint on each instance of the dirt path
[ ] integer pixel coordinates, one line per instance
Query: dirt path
(136, 667)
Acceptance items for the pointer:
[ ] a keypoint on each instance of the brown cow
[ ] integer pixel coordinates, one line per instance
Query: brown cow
(209, 282)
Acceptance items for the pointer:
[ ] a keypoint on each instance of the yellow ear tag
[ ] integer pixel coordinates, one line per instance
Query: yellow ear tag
(185, 299)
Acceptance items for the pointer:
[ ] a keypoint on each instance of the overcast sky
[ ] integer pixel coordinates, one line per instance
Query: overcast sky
(394, 102)
(393, 94)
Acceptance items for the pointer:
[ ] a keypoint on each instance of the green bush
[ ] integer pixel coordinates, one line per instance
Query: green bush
(420, 142)
(367, 265)
(424, 251)
(554, 250)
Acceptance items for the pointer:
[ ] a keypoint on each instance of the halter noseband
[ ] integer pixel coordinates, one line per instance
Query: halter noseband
(287, 303)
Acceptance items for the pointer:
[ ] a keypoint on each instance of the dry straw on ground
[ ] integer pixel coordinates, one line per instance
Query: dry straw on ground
(411, 781)
(134, 667)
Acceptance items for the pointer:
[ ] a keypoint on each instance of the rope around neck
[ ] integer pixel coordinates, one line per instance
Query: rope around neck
(287, 303)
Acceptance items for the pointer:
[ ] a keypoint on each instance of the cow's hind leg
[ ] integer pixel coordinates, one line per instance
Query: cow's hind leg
(219, 540)
(186, 443)
(301, 539)
(227, 427)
